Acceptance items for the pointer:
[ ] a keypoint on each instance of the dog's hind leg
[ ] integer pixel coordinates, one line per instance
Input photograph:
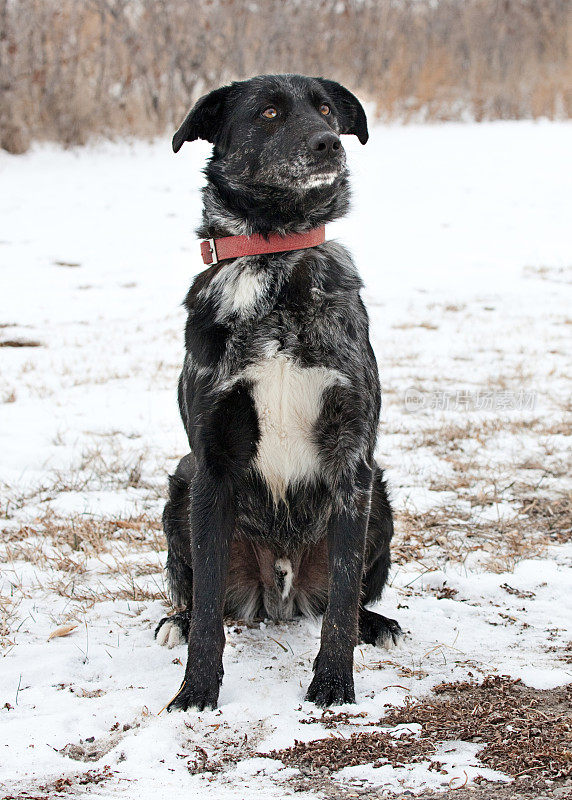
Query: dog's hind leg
(375, 628)
(174, 630)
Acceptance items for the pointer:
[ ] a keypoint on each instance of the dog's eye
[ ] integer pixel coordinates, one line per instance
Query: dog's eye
(270, 112)
(324, 109)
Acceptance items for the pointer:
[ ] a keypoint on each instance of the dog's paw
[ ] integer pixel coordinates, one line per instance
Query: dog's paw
(332, 688)
(197, 694)
(172, 631)
(391, 634)
(381, 631)
(332, 684)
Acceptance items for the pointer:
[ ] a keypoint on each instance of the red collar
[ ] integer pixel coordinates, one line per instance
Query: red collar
(214, 250)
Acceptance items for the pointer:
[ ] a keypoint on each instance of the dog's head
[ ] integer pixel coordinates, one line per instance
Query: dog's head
(280, 131)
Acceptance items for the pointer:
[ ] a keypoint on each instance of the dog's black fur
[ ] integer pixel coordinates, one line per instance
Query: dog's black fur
(280, 508)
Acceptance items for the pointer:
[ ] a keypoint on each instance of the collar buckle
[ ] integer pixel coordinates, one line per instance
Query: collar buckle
(212, 248)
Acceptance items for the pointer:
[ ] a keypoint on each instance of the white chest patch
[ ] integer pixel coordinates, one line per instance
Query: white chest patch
(239, 286)
(288, 400)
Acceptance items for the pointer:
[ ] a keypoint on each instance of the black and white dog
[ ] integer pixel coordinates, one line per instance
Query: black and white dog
(280, 508)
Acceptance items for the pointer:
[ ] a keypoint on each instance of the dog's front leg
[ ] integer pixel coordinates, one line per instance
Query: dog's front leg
(211, 531)
(333, 681)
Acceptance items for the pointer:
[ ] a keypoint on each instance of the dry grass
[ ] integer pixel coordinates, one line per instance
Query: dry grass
(553, 274)
(88, 535)
(104, 464)
(86, 559)
(451, 436)
(335, 753)
(523, 732)
(8, 617)
(69, 785)
(447, 534)
(20, 343)
(478, 482)
(70, 70)
(87, 596)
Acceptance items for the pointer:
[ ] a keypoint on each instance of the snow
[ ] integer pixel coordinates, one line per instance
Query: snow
(462, 235)
(458, 759)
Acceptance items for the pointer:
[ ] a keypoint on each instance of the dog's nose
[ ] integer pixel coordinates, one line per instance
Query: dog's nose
(325, 142)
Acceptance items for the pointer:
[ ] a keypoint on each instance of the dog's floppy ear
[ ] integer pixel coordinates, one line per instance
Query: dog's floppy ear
(203, 120)
(350, 111)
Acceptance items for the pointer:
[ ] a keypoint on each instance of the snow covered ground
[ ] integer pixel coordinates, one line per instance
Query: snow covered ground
(462, 234)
